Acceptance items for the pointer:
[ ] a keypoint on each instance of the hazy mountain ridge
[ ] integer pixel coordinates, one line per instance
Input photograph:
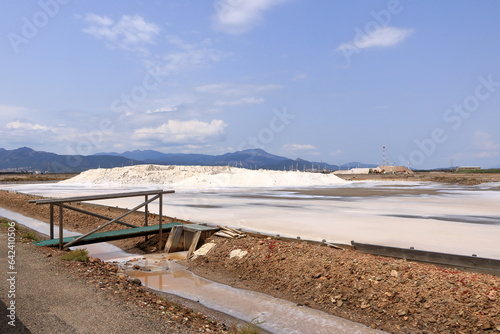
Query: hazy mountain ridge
(29, 160)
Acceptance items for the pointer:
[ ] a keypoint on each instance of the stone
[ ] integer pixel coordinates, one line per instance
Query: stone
(492, 295)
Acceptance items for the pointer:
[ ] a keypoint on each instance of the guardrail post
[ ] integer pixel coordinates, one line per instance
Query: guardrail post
(60, 226)
(160, 214)
(146, 216)
(51, 221)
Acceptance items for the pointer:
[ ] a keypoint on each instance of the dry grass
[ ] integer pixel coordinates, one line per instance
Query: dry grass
(80, 255)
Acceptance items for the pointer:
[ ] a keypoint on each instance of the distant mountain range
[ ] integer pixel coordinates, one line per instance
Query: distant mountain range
(251, 159)
(27, 159)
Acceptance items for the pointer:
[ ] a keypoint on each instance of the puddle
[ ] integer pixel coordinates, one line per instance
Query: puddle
(277, 315)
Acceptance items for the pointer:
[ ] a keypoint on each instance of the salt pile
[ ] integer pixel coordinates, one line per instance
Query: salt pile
(201, 176)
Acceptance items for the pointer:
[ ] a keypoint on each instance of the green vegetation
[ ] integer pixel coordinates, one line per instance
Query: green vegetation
(479, 171)
(76, 255)
(29, 235)
(6, 223)
(249, 328)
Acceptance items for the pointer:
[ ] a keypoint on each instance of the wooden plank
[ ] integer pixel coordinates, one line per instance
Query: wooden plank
(173, 239)
(110, 235)
(196, 227)
(472, 262)
(194, 243)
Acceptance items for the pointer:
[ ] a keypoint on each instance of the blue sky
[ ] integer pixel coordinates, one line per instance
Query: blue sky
(330, 81)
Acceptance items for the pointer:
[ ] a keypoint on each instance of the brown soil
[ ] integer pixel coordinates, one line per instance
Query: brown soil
(388, 294)
(31, 178)
(442, 177)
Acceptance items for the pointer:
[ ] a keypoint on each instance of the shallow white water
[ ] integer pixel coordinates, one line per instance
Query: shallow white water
(426, 216)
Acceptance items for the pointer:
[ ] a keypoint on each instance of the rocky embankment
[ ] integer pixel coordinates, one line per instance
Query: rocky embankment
(388, 294)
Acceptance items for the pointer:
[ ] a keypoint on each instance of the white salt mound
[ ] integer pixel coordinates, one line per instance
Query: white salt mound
(201, 176)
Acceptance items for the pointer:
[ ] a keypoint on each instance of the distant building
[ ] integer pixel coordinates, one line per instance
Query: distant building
(378, 170)
(393, 170)
(468, 168)
(355, 171)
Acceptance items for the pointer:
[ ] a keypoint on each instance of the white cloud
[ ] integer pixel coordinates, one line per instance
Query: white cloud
(337, 152)
(18, 126)
(298, 147)
(243, 100)
(229, 89)
(299, 76)
(239, 16)
(382, 36)
(161, 110)
(176, 132)
(188, 59)
(6, 110)
(189, 56)
(129, 33)
(485, 145)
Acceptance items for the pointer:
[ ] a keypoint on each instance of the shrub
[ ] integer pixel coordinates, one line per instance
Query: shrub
(249, 328)
(76, 255)
(29, 235)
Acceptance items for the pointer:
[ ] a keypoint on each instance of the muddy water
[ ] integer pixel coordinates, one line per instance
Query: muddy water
(164, 274)
(274, 315)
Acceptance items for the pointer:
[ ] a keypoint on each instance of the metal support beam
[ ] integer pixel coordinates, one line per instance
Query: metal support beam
(112, 221)
(60, 226)
(146, 214)
(160, 218)
(95, 215)
(99, 197)
(51, 221)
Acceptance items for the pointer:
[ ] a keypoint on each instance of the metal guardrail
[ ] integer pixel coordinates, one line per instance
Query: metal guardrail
(480, 264)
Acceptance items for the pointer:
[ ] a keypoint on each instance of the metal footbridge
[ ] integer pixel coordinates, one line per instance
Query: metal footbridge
(96, 236)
